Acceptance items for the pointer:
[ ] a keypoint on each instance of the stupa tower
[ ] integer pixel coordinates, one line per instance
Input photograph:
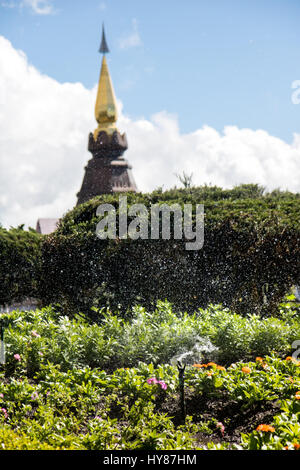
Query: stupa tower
(107, 171)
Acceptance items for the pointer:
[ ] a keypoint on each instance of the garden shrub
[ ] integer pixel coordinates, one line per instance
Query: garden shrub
(11, 440)
(249, 260)
(159, 337)
(20, 257)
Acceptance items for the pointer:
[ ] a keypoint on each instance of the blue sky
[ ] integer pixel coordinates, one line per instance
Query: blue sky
(204, 87)
(211, 62)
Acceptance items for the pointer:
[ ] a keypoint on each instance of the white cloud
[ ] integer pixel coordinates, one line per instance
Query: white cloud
(132, 39)
(157, 150)
(44, 127)
(39, 7)
(43, 138)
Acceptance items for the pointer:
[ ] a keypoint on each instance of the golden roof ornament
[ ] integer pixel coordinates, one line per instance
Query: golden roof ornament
(106, 106)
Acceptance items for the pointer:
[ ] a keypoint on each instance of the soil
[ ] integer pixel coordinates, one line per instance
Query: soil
(231, 414)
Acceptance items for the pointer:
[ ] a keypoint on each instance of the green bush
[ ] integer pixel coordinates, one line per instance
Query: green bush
(20, 258)
(159, 337)
(249, 260)
(11, 440)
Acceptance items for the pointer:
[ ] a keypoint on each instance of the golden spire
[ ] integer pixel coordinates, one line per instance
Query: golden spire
(106, 107)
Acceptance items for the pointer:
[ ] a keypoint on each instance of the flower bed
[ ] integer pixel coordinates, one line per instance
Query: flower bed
(68, 384)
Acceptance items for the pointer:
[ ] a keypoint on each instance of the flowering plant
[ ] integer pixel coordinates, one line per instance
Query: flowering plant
(154, 381)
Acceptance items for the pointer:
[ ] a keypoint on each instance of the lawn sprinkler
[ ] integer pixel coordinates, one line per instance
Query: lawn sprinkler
(2, 345)
(181, 369)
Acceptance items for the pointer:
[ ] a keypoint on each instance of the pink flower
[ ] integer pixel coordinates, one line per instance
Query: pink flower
(34, 396)
(40, 353)
(34, 333)
(4, 411)
(152, 381)
(220, 426)
(17, 357)
(1, 395)
(163, 384)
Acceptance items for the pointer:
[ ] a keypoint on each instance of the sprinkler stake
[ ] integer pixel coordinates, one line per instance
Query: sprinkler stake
(181, 369)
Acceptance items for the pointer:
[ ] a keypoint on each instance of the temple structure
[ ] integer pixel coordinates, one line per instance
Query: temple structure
(47, 225)
(107, 171)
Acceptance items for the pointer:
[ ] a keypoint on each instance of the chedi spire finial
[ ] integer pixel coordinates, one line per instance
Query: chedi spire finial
(106, 107)
(103, 46)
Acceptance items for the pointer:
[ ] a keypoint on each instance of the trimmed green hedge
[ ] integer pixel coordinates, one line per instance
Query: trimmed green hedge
(20, 259)
(249, 260)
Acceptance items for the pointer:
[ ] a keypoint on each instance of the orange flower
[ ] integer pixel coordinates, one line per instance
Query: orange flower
(292, 359)
(291, 380)
(209, 374)
(211, 364)
(297, 396)
(265, 428)
(199, 366)
(296, 446)
(246, 370)
(259, 359)
(221, 368)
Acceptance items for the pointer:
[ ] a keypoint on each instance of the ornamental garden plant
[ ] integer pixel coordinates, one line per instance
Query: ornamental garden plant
(65, 386)
(250, 258)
